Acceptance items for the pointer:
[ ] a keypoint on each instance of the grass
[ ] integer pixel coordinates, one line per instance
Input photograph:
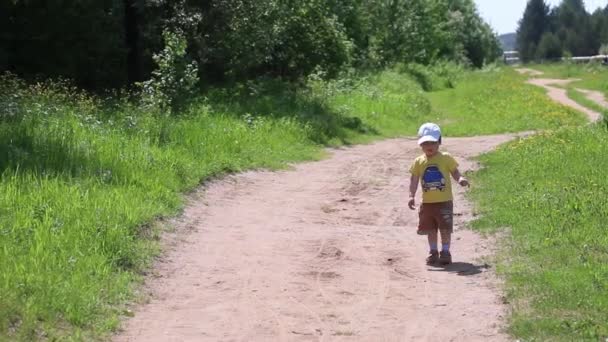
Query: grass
(592, 76)
(497, 101)
(549, 190)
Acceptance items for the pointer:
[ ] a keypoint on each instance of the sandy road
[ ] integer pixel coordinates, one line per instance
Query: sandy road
(326, 251)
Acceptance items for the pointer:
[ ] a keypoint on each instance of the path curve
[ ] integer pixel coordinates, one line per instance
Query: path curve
(560, 95)
(595, 96)
(326, 251)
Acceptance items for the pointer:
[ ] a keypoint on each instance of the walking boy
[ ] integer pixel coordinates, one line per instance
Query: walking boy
(432, 169)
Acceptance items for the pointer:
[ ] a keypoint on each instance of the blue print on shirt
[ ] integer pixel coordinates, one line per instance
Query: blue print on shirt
(433, 179)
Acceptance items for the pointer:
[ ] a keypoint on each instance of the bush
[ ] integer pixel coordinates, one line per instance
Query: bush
(175, 79)
(439, 76)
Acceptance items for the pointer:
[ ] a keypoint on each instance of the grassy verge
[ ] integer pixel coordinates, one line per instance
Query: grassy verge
(549, 189)
(546, 191)
(554, 265)
(83, 179)
(592, 76)
(496, 101)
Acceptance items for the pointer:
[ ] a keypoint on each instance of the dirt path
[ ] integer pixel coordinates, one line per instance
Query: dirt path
(560, 95)
(528, 71)
(595, 96)
(324, 252)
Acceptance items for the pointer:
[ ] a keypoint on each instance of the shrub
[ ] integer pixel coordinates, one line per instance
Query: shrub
(438, 76)
(175, 79)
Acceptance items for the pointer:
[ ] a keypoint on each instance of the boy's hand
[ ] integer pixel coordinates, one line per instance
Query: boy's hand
(412, 203)
(463, 181)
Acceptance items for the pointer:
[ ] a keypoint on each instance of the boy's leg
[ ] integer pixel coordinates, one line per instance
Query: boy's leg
(433, 251)
(446, 239)
(427, 219)
(429, 225)
(446, 228)
(432, 238)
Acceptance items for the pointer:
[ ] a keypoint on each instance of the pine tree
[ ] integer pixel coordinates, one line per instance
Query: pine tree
(531, 28)
(575, 28)
(549, 47)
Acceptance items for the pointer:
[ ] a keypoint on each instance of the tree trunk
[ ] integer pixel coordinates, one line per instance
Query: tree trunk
(132, 41)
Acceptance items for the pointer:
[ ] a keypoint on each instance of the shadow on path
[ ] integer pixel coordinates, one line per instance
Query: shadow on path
(461, 268)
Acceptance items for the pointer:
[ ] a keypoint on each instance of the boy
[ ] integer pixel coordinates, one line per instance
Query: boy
(432, 170)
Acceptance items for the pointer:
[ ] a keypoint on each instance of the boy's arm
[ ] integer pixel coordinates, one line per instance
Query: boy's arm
(413, 187)
(459, 178)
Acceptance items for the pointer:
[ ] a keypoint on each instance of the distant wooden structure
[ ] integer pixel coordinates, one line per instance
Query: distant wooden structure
(586, 59)
(512, 57)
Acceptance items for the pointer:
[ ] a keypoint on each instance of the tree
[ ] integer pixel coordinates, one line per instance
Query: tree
(549, 47)
(111, 43)
(534, 23)
(574, 28)
(599, 24)
(132, 41)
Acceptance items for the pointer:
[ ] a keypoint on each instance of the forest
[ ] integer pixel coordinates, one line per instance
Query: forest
(112, 43)
(547, 33)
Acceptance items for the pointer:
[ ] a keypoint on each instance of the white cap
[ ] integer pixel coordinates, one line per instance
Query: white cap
(429, 132)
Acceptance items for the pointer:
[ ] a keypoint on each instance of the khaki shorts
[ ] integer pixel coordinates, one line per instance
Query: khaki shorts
(436, 216)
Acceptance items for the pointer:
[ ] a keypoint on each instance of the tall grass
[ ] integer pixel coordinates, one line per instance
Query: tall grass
(83, 179)
(549, 189)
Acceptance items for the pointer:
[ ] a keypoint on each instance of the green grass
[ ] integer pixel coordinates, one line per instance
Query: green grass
(549, 190)
(497, 101)
(592, 76)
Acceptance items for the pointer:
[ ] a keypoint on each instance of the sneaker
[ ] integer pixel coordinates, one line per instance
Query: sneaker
(445, 258)
(432, 258)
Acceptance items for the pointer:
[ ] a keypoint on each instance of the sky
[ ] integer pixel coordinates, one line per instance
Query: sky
(503, 15)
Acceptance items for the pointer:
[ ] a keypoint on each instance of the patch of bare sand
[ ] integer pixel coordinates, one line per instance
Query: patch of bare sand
(326, 251)
(528, 71)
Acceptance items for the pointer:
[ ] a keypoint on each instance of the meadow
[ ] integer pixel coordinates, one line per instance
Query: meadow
(548, 191)
(493, 102)
(86, 180)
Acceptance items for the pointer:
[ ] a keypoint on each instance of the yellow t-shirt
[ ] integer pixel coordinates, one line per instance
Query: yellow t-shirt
(435, 173)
